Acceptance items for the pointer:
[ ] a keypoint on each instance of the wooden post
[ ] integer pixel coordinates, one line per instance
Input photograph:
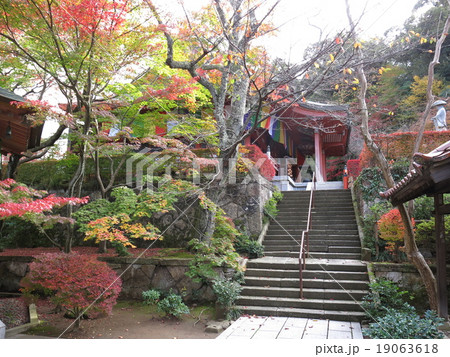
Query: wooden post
(440, 257)
(323, 163)
(318, 155)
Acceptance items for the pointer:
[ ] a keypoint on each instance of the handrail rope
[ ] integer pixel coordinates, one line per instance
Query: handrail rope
(305, 233)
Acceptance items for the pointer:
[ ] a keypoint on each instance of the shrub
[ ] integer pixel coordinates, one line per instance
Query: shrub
(219, 251)
(369, 222)
(392, 230)
(151, 297)
(426, 232)
(227, 292)
(405, 325)
(251, 248)
(384, 295)
(254, 153)
(270, 207)
(171, 304)
(74, 282)
(35, 207)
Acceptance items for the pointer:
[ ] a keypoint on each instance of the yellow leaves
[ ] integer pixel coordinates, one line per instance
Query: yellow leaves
(347, 71)
(316, 65)
(336, 87)
(391, 113)
(357, 45)
(381, 70)
(423, 40)
(331, 57)
(354, 88)
(355, 80)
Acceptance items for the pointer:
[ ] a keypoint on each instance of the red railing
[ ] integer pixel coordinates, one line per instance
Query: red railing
(304, 245)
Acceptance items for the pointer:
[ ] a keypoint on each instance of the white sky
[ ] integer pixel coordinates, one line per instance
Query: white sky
(300, 20)
(303, 18)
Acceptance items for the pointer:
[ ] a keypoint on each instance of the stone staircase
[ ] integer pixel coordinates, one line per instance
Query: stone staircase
(335, 279)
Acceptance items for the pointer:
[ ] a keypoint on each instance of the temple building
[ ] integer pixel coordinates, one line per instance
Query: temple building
(300, 138)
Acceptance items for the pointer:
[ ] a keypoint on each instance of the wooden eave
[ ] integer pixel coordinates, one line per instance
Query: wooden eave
(430, 175)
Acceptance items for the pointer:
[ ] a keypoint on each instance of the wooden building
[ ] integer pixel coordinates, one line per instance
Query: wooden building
(16, 133)
(430, 176)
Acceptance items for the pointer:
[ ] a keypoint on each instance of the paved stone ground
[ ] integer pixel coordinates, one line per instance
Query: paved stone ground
(260, 327)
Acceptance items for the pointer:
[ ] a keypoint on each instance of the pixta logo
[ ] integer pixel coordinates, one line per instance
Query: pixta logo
(142, 167)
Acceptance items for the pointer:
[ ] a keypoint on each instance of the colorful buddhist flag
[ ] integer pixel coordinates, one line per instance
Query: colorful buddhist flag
(266, 124)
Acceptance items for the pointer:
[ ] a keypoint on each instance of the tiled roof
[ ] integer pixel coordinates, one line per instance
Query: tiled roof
(10, 96)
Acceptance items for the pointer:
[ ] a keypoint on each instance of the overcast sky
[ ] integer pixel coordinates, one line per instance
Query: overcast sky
(300, 20)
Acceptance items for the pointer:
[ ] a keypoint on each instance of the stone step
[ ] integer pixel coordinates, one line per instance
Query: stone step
(327, 227)
(314, 245)
(311, 264)
(306, 313)
(321, 233)
(307, 283)
(315, 230)
(317, 206)
(308, 274)
(319, 304)
(308, 293)
(317, 255)
(312, 248)
(332, 218)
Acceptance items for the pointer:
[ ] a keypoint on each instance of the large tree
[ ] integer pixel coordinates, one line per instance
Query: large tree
(218, 47)
(82, 45)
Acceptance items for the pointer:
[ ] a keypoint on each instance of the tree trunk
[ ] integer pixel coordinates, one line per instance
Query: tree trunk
(12, 165)
(418, 260)
(412, 251)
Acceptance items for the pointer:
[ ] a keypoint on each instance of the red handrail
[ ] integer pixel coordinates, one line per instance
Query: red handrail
(304, 245)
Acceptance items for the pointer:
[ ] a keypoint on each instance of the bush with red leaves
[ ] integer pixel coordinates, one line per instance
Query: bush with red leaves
(75, 282)
(400, 145)
(266, 167)
(354, 168)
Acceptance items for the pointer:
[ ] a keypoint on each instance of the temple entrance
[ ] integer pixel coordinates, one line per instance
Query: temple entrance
(300, 138)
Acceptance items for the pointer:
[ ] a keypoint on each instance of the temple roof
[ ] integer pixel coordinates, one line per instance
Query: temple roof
(7, 96)
(430, 175)
(324, 107)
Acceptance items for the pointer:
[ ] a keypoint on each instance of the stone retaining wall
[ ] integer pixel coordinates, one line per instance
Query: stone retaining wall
(243, 202)
(164, 274)
(407, 277)
(137, 276)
